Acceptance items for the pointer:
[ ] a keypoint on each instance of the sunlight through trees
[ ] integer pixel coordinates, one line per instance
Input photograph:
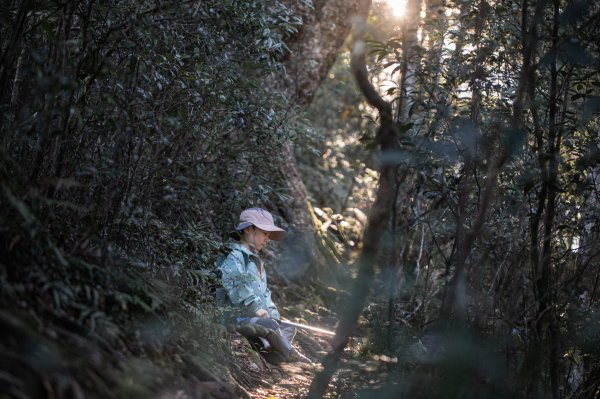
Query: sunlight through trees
(437, 166)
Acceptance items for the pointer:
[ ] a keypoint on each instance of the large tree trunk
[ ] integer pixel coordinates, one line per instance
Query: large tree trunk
(313, 51)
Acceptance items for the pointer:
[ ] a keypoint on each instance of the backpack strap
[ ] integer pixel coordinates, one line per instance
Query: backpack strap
(221, 296)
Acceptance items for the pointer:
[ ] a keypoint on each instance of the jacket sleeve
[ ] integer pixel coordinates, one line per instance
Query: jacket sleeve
(238, 283)
(271, 307)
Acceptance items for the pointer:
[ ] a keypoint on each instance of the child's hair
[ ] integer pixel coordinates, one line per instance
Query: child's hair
(237, 235)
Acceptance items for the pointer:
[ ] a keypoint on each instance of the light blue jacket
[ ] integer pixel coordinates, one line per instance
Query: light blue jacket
(245, 285)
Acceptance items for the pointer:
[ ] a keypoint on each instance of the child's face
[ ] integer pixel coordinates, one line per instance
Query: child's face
(257, 237)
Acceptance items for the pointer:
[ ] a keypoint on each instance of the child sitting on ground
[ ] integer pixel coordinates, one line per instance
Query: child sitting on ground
(244, 278)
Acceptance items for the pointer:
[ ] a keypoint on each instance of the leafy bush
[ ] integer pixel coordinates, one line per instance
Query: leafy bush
(132, 133)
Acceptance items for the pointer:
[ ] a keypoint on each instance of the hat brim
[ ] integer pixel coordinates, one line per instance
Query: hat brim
(275, 233)
(243, 225)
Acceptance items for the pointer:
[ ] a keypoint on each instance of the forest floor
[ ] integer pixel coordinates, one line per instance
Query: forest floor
(262, 380)
(287, 380)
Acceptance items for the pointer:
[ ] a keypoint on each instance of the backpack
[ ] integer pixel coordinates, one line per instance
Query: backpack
(221, 296)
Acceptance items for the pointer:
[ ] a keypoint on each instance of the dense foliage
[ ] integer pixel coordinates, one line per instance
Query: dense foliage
(132, 135)
(491, 258)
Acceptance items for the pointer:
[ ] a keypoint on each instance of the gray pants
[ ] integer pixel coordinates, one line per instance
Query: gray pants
(281, 337)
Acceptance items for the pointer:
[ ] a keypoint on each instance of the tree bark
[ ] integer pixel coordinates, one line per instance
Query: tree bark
(540, 261)
(312, 52)
(547, 308)
(409, 63)
(379, 216)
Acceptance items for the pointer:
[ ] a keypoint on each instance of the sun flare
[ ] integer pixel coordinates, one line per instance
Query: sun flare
(397, 7)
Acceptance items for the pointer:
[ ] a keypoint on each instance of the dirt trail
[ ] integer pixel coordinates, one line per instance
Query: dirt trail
(288, 380)
(292, 380)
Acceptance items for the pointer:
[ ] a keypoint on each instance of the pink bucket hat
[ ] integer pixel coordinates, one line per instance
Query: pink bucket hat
(263, 220)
